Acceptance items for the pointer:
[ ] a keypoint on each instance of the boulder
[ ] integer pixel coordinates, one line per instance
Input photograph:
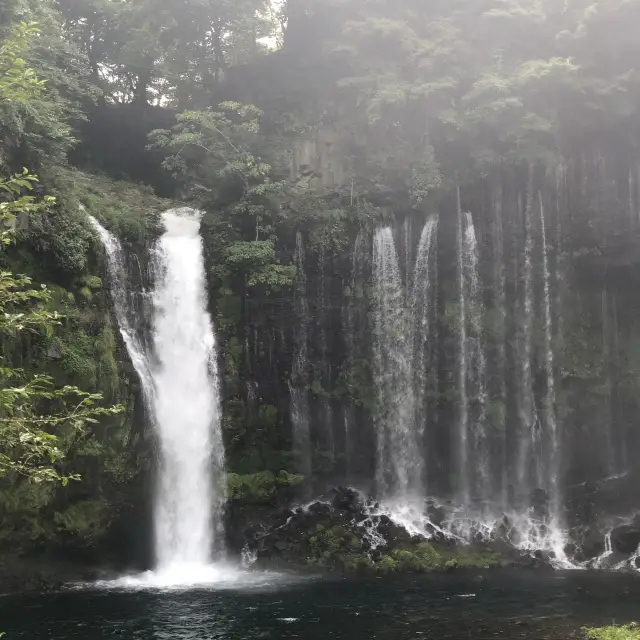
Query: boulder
(346, 500)
(586, 543)
(625, 538)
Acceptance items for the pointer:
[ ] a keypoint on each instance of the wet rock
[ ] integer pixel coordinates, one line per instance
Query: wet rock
(612, 560)
(320, 509)
(436, 514)
(540, 503)
(625, 538)
(503, 528)
(586, 543)
(346, 500)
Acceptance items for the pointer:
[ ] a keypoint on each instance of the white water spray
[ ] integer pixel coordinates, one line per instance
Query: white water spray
(181, 390)
(400, 460)
(117, 269)
(190, 496)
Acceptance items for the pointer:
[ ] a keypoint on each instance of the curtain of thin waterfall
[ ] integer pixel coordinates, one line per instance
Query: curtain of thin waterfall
(356, 328)
(422, 310)
(299, 382)
(399, 472)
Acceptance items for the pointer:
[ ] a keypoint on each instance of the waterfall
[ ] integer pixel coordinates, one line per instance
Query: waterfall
(120, 292)
(497, 419)
(528, 467)
(327, 429)
(422, 309)
(180, 385)
(300, 370)
(400, 456)
(464, 477)
(553, 454)
(187, 412)
(475, 366)
(354, 318)
(474, 455)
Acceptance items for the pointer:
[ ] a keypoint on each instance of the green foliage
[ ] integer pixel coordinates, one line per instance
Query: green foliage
(132, 212)
(423, 558)
(18, 82)
(85, 520)
(42, 85)
(625, 632)
(259, 487)
(142, 50)
(336, 545)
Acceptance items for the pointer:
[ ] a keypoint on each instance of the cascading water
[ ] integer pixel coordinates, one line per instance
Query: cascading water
(120, 293)
(551, 427)
(464, 476)
(421, 308)
(399, 471)
(180, 384)
(401, 360)
(528, 467)
(473, 364)
(300, 371)
(189, 524)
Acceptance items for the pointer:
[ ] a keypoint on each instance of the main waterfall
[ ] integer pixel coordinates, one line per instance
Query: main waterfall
(178, 374)
(190, 497)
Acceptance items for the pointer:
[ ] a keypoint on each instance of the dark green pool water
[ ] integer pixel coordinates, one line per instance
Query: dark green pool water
(493, 604)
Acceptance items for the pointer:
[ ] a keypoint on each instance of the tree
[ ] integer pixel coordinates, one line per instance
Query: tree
(165, 51)
(38, 421)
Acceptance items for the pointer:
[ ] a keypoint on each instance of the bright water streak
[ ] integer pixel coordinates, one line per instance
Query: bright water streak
(190, 497)
(116, 265)
(400, 463)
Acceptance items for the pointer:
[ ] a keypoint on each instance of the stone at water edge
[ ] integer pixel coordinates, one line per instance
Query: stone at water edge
(625, 538)
(586, 543)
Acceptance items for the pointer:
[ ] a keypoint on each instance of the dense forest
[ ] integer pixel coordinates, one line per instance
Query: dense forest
(301, 130)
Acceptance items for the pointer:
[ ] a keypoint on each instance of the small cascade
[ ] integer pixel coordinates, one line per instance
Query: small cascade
(475, 358)
(399, 472)
(328, 437)
(120, 294)
(463, 471)
(298, 385)
(601, 561)
(498, 384)
(355, 338)
(422, 311)
(552, 471)
(474, 457)
(528, 472)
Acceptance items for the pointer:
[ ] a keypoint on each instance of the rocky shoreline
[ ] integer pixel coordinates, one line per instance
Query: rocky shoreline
(346, 532)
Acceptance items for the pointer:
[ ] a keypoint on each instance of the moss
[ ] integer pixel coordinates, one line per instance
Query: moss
(386, 565)
(626, 632)
(418, 560)
(86, 520)
(426, 557)
(336, 547)
(129, 210)
(259, 487)
(358, 562)
(471, 558)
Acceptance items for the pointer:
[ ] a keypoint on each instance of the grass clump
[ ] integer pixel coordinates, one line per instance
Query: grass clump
(259, 487)
(624, 632)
